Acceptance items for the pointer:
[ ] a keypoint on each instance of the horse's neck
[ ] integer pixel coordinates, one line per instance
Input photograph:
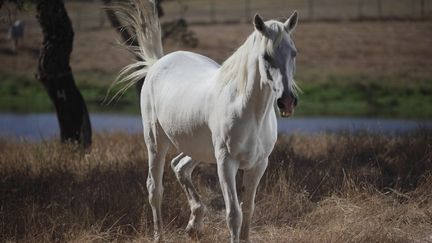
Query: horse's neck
(258, 97)
(241, 79)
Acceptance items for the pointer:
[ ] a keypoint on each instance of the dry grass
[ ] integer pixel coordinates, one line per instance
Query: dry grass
(322, 188)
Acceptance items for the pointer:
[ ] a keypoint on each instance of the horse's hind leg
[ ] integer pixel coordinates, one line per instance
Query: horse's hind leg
(157, 148)
(183, 166)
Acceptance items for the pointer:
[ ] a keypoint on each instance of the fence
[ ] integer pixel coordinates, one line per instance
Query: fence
(90, 14)
(208, 11)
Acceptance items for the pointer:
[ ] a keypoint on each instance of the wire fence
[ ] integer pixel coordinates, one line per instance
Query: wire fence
(88, 15)
(210, 11)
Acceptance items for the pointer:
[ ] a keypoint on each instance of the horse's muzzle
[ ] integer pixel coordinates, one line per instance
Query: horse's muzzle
(286, 105)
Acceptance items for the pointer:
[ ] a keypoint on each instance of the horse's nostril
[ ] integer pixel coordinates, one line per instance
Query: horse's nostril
(280, 104)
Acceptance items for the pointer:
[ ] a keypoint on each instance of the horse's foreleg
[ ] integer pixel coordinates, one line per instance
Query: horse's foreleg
(227, 170)
(156, 158)
(251, 178)
(183, 166)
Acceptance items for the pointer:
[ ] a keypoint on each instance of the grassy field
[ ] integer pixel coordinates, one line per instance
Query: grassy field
(321, 188)
(345, 68)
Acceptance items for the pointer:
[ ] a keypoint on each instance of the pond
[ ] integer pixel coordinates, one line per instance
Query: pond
(44, 126)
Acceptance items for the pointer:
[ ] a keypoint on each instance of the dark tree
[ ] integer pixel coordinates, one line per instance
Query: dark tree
(56, 75)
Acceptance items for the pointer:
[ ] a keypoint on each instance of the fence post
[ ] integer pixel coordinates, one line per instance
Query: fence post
(212, 11)
(422, 9)
(360, 9)
(101, 18)
(311, 9)
(247, 10)
(379, 5)
(78, 21)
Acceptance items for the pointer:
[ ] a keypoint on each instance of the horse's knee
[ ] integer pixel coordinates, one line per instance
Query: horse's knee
(248, 207)
(234, 217)
(155, 191)
(198, 210)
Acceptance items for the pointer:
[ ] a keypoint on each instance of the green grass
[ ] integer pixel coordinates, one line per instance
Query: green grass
(327, 95)
(23, 93)
(358, 95)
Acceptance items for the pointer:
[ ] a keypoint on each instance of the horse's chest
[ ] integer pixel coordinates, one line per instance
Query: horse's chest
(250, 145)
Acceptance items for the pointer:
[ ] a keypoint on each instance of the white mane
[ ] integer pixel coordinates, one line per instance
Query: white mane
(235, 67)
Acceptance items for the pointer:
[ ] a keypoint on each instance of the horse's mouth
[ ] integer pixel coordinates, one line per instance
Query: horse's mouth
(286, 113)
(286, 106)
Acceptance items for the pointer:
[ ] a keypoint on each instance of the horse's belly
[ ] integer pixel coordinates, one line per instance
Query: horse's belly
(196, 143)
(198, 151)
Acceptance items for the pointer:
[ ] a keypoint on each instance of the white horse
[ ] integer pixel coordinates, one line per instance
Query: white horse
(214, 114)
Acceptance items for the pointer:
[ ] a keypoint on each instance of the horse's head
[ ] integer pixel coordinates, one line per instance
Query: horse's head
(277, 60)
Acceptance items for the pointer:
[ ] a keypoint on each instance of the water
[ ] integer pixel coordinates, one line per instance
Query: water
(44, 126)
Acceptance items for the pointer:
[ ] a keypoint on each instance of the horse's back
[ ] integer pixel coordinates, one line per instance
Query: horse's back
(182, 76)
(183, 66)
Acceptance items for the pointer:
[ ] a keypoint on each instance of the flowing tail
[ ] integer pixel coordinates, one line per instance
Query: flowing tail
(142, 22)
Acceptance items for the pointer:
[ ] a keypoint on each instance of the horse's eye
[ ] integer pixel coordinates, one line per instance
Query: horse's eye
(269, 60)
(267, 57)
(294, 54)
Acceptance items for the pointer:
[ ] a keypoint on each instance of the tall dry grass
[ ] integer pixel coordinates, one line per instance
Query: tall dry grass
(320, 188)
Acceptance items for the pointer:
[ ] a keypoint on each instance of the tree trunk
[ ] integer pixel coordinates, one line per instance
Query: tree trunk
(56, 75)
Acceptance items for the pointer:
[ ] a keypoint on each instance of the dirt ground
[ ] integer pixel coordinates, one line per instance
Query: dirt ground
(371, 48)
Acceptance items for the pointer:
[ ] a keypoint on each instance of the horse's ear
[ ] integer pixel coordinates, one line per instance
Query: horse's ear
(259, 24)
(291, 22)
